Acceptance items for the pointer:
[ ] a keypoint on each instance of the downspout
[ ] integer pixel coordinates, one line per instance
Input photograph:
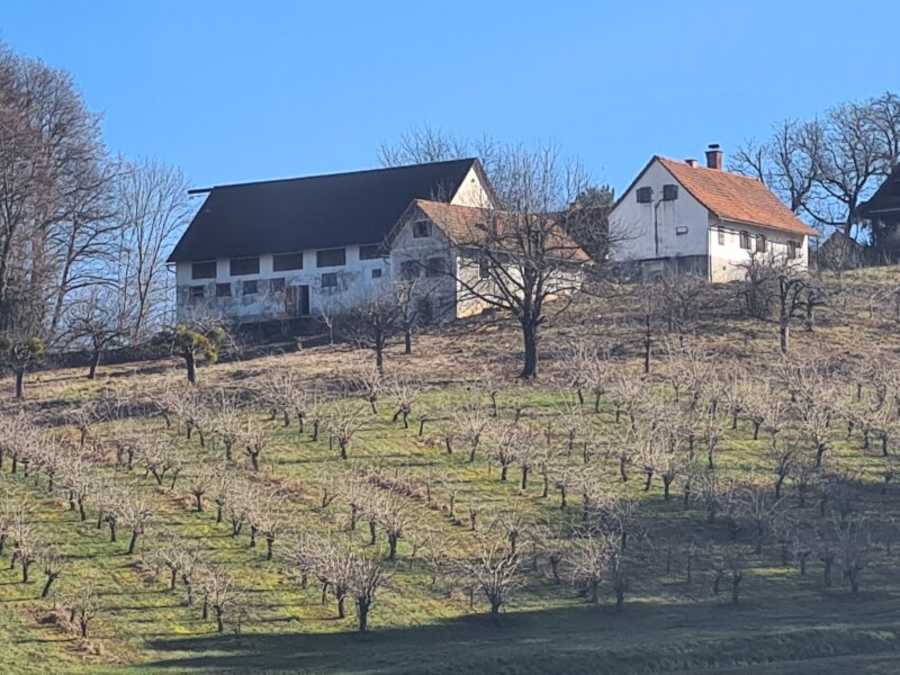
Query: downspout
(656, 225)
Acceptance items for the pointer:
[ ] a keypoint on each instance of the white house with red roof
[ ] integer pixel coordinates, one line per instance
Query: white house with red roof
(680, 216)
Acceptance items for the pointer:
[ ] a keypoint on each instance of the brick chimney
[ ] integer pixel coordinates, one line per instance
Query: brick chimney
(691, 162)
(714, 156)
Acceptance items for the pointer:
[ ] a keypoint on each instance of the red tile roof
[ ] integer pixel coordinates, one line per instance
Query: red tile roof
(734, 197)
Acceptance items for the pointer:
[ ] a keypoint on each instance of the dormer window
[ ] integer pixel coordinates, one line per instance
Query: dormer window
(670, 192)
(644, 195)
(421, 229)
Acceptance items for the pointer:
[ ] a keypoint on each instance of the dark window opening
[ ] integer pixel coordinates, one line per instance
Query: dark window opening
(421, 229)
(760, 243)
(793, 251)
(409, 270)
(197, 292)
(203, 270)
(484, 269)
(287, 261)
(223, 290)
(277, 285)
(249, 287)
(330, 280)
(242, 266)
(721, 237)
(436, 267)
(670, 192)
(644, 195)
(332, 257)
(376, 273)
(745, 240)
(370, 252)
(425, 310)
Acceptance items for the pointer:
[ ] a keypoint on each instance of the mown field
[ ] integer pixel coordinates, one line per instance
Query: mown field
(429, 615)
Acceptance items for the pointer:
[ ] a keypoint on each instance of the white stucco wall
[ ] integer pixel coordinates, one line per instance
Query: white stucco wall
(727, 259)
(635, 221)
(471, 192)
(265, 304)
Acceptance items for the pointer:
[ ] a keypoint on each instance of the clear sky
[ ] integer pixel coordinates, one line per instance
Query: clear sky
(233, 91)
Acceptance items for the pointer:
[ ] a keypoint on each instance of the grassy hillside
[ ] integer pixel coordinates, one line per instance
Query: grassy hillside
(422, 620)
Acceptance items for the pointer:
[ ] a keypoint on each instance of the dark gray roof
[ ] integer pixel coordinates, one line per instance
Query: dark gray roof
(293, 214)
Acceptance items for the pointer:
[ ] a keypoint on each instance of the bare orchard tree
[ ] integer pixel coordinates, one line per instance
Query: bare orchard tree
(364, 579)
(371, 320)
(493, 571)
(99, 322)
(518, 257)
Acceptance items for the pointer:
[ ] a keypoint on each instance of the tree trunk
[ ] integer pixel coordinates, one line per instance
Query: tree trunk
(190, 362)
(50, 579)
(407, 341)
(20, 383)
(784, 335)
(95, 362)
(133, 543)
(362, 611)
(530, 344)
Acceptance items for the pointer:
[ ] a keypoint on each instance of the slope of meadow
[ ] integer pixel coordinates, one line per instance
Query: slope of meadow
(423, 619)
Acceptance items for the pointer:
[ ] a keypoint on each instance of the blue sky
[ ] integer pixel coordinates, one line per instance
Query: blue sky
(233, 91)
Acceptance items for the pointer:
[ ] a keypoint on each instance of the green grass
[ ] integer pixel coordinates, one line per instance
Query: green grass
(785, 622)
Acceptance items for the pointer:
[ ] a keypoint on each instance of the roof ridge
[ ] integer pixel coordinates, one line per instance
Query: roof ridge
(334, 174)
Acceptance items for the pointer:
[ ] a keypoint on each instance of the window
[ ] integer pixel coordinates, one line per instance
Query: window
(332, 257)
(721, 236)
(484, 269)
(644, 195)
(670, 192)
(409, 270)
(760, 243)
(197, 292)
(242, 266)
(793, 251)
(370, 252)
(745, 240)
(330, 280)
(376, 273)
(421, 229)
(203, 270)
(435, 267)
(249, 287)
(276, 285)
(681, 229)
(425, 310)
(287, 261)
(223, 290)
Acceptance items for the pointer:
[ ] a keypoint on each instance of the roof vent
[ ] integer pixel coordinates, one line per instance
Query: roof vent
(714, 156)
(691, 162)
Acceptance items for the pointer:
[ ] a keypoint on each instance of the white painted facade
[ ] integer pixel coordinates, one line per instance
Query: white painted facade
(684, 234)
(267, 303)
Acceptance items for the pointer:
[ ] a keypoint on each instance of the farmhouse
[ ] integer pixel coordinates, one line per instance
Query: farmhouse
(460, 259)
(682, 217)
(289, 248)
(882, 213)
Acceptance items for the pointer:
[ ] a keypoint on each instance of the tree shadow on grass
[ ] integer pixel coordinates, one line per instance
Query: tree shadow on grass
(646, 637)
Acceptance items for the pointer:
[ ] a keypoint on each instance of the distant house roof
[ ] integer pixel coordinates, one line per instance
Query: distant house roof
(886, 198)
(293, 214)
(469, 225)
(734, 197)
